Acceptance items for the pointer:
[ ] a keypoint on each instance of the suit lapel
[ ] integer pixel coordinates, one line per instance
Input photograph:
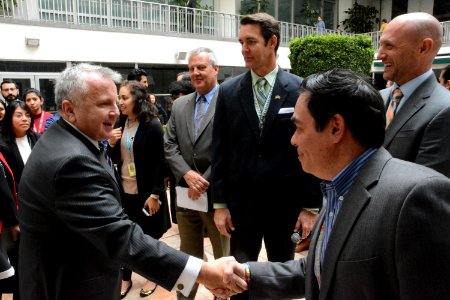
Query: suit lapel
(248, 103)
(278, 97)
(189, 115)
(354, 203)
(209, 113)
(412, 105)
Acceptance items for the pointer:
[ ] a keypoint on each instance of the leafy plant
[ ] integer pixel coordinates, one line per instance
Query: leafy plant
(361, 18)
(313, 54)
(310, 13)
(253, 6)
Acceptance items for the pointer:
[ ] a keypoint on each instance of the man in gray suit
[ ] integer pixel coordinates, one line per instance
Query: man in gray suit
(75, 235)
(419, 130)
(383, 231)
(188, 152)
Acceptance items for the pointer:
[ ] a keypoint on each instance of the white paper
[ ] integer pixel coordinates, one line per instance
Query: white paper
(286, 110)
(183, 200)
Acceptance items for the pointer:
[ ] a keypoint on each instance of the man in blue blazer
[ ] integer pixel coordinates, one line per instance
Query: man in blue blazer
(383, 231)
(419, 131)
(75, 235)
(258, 186)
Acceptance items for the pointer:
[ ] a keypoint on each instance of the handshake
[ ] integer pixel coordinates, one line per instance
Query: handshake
(224, 277)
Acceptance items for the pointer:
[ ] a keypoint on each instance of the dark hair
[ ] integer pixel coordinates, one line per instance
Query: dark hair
(269, 26)
(7, 128)
(136, 74)
(182, 86)
(351, 95)
(384, 20)
(143, 109)
(8, 81)
(31, 90)
(184, 75)
(446, 73)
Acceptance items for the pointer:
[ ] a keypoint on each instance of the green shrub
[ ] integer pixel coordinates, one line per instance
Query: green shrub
(313, 54)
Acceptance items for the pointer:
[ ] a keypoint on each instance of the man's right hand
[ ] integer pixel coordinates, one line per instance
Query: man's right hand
(222, 218)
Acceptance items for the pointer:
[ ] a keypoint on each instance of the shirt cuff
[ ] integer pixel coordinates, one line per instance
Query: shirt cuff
(189, 276)
(219, 205)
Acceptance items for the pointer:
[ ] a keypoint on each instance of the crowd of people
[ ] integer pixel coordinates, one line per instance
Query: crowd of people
(362, 175)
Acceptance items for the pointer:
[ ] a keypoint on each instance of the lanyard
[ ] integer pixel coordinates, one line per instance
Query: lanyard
(41, 120)
(129, 139)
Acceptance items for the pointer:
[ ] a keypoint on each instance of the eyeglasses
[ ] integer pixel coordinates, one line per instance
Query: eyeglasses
(9, 89)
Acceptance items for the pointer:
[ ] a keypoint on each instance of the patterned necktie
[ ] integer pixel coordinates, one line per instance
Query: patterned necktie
(200, 114)
(396, 98)
(261, 94)
(105, 157)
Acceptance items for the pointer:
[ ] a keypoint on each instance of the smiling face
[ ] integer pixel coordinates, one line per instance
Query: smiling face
(126, 102)
(313, 147)
(203, 75)
(258, 55)
(96, 113)
(34, 102)
(408, 46)
(21, 121)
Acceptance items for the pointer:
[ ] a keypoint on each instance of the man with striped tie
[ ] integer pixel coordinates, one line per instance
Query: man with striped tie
(417, 107)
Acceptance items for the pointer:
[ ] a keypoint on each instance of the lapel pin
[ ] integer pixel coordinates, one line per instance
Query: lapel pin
(277, 97)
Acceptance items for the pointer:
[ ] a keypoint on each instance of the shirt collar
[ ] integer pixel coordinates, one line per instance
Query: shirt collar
(269, 77)
(409, 87)
(208, 95)
(344, 179)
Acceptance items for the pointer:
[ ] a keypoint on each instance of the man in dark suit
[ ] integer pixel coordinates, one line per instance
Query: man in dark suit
(383, 232)
(188, 151)
(418, 131)
(75, 235)
(255, 171)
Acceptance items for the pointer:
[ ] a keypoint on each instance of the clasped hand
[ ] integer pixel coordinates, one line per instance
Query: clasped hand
(224, 277)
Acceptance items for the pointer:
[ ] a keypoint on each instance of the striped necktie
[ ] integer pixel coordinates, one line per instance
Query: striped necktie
(396, 98)
(261, 93)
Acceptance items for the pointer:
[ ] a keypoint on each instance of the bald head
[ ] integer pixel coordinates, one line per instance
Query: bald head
(422, 26)
(409, 45)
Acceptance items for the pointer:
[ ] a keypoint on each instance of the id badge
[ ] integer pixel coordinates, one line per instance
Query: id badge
(132, 169)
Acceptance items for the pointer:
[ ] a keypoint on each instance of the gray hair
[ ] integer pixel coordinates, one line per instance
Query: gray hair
(212, 57)
(72, 84)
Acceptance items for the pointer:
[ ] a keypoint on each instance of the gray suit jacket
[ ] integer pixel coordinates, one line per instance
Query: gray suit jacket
(420, 131)
(74, 234)
(183, 151)
(389, 241)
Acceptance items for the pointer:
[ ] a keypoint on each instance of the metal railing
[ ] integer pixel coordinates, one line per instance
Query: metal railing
(150, 17)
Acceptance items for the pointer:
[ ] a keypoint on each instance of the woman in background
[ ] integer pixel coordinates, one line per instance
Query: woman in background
(34, 100)
(17, 137)
(15, 144)
(444, 78)
(2, 112)
(137, 148)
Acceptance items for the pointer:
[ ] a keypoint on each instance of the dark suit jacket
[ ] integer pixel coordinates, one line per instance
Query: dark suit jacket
(244, 161)
(420, 129)
(389, 241)
(12, 154)
(148, 155)
(75, 235)
(183, 151)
